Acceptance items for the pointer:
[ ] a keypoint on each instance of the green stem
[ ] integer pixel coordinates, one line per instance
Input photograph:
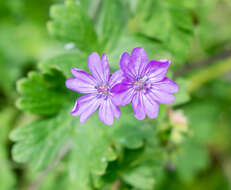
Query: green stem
(198, 78)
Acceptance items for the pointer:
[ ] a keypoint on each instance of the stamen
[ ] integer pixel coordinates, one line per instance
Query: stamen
(103, 91)
(141, 83)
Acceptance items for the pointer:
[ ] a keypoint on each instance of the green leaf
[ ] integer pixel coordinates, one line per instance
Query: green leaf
(64, 62)
(140, 177)
(70, 23)
(110, 23)
(130, 133)
(167, 22)
(92, 144)
(146, 170)
(42, 93)
(44, 137)
(127, 42)
(91, 152)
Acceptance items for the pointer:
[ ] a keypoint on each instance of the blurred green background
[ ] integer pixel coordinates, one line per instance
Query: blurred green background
(201, 57)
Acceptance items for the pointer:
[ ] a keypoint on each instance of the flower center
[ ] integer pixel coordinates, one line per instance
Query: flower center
(141, 83)
(103, 90)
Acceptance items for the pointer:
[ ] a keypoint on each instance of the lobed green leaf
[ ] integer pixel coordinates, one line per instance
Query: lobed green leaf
(42, 93)
(70, 23)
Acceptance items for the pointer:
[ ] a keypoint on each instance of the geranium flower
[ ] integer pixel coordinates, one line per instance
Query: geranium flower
(145, 84)
(98, 89)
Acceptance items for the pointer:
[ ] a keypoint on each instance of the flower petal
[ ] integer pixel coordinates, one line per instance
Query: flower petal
(122, 94)
(116, 78)
(116, 111)
(138, 106)
(161, 96)
(140, 52)
(150, 106)
(156, 70)
(85, 106)
(99, 68)
(107, 111)
(124, 85)
(105, 67)
(166, 85)
(126, 66)
(83, 82)
(140, 59)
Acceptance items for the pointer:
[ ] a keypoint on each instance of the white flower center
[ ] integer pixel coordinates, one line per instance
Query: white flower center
(142, 83)
(103, 90)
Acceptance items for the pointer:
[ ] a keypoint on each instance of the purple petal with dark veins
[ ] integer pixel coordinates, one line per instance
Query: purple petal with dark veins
(138, 106)
(140, 59)
(166, 85)
(123, 93)
(85, 106)
(161, 96)
(83, 82)
(99, 67)
(116, 78)
(156, 70)
(127, 66)
(150, 106)
(107, 111)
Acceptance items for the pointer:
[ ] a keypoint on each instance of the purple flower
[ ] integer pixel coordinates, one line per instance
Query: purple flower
(98, 89)
(145, 84)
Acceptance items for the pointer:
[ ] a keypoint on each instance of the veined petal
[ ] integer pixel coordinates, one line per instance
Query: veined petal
(122, 94)
(85, 106)
(115, 110)
(116, 78)
(99, 67)
(107, 111)
(150, 106)
(83, 82)
(127, 66)
(105, 67)
(78, 73)
(156, 70)
(166, 85)
(124, 85)
(140, 59)
(161, 96)
(138, 106)
(140, 52)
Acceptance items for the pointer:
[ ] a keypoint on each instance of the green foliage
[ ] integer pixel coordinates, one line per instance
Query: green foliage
(167, 22)
(7, 178)
(128, 42)
(146, 170)
(182, 96)
(110, 23)
(46, 136)
(72, 24)
(196, 155)
(64, 62)
(42, 94)
(60, 152)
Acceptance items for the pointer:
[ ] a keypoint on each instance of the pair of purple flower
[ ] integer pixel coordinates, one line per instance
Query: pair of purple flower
(140, 82)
